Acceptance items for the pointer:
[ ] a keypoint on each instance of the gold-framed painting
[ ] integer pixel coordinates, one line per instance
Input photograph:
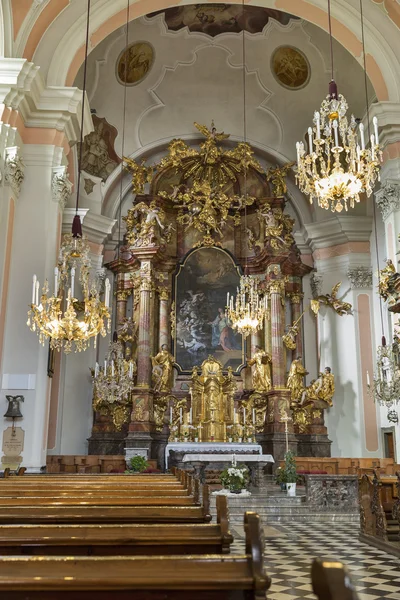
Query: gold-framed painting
(134, 63)
(290, 67)
(201, 283)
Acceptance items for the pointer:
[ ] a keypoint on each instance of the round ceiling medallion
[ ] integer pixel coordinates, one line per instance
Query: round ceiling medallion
(135, 63)
(290, 67)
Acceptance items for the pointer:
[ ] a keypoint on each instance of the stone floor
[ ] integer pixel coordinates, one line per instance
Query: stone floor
(290, 548)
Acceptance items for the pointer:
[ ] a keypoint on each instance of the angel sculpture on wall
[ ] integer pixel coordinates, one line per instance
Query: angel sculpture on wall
(388, 283)
(277, 177)
(278, 227)
(146, 225)
(140, 174)
(341, 308)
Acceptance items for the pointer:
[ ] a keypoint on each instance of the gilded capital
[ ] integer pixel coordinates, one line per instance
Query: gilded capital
(296, 298)
(163, 293)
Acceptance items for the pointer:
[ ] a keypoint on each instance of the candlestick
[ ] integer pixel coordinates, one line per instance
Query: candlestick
(318, 124)
(190, 416)
(298, 151)
(73, 282)
(254, 416)
(105, 366)
(170, 414)
(244, 416)
(368, 380)
(56, 281)
(34, 289)
(37, 293)
(335, 132)
(180, 415)
(112, 368)
(310, 139)
(375, 122)
(372, 146)
(362, 136)
(96, 369)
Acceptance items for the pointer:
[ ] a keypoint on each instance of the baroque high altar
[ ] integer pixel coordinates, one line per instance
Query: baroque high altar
(198, 219)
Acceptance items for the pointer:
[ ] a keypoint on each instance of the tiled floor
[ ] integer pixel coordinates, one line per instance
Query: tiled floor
(290, 548)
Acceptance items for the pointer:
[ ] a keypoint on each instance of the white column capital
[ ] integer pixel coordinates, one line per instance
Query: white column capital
(388, 197)
(13, 169)
(360, 277)
(61, 186)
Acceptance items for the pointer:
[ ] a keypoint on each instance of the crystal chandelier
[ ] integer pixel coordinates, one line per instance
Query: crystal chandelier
(338, 166)
(247, 310)
(113, 384)
(63, 318)
(385, 388)
(81, 320)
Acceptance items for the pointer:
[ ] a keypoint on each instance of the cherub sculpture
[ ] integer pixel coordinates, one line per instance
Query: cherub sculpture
(388, 278)
(331, 300)
(140, 174)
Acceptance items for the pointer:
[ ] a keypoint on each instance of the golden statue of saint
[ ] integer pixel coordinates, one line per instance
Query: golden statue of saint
(295, 381)
(328, 386)
(163, 374)
(262, 370)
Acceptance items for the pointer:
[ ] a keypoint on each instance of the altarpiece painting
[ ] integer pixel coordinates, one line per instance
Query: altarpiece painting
(201, 285)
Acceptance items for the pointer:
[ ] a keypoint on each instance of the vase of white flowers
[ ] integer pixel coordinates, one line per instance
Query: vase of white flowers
(235, 479)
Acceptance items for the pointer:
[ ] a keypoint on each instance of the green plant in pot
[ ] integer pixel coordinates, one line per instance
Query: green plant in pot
(280, 477)
(235, 479)
(137, 464)
(290, 470)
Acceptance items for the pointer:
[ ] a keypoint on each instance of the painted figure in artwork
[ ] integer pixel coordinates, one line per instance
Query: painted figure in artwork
(222, 334)
(163, 374)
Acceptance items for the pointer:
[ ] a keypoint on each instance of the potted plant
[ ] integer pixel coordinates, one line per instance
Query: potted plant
(137, 464)
(280, 478)
(290, 473)
(235, 479)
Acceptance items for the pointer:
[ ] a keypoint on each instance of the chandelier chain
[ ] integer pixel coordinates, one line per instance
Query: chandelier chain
(78, 185)
(330, 38)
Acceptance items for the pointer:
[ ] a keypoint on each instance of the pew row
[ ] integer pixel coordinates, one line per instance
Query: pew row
(124, 539)
(200, 577)
(331, 581)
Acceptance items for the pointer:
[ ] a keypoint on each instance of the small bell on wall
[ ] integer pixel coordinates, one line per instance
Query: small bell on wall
(13, 410)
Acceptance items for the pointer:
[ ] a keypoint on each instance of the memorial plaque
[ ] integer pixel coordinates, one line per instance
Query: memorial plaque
(13, 445)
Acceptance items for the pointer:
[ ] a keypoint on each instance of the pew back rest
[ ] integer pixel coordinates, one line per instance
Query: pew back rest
(331, 581)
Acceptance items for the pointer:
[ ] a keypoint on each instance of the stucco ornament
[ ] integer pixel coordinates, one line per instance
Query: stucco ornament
(388, 198)
(316, 284)
(360, 277)
(14, 170)
(61, 187)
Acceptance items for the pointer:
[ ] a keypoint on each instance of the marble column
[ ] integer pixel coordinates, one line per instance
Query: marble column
(122, 301)
(267, 328)
(164, 335)
(277, 327)
(295, 302)
(143, 359)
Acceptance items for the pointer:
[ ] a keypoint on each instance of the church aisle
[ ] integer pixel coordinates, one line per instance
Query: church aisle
(290, 548)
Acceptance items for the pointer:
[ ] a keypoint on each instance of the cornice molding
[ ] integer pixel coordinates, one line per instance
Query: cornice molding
(338, 230)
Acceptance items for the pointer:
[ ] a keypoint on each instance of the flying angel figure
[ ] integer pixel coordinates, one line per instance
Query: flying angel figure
(340, 307)
(212, 134)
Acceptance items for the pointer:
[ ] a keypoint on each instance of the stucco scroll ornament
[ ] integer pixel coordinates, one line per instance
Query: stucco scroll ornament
(14, 170)
(388, 198)
(61, 188)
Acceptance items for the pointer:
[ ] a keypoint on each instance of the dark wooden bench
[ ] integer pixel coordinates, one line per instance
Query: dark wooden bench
(198, 577)
(331, 581)
(124, 539)
(380, 507)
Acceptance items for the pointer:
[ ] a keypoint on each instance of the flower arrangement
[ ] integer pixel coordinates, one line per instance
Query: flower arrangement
(235, 479)
(137, 464)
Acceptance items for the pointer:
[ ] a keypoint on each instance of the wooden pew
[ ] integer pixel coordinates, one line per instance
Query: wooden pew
(380, 507)
(198, 577)
(156, 510)
(331, 581)
(114, 540)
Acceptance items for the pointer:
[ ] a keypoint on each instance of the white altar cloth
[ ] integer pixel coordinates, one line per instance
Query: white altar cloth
(218, 447)
(229, 457)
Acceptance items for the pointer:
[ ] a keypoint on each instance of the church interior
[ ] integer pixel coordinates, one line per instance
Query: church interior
(199, 290)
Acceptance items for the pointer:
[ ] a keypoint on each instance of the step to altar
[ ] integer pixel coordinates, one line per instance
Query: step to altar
(274, 506)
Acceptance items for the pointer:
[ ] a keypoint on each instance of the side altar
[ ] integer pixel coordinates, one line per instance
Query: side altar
(200, 218)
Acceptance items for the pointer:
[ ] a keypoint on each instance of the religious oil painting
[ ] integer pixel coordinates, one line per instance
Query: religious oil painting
(290, 67)
(134, 63)
(202, 329)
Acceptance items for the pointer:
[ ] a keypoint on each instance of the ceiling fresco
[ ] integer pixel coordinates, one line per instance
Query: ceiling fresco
(214, 19)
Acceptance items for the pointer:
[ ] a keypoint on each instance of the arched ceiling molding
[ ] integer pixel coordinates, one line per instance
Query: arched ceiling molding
(382, 62)
(26, 33)
(6, 29)
(111, 199)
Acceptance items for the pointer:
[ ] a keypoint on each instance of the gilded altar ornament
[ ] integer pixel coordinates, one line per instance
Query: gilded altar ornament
(341, 308)
(277, 176)
(160, 405)
(262, 370)
(113, 384)
(320, 392)
(278, 227)
(289, 339)
(146, 225)
(163, 373)
(70, 328)
(389, 285)
(295, 381)
(140, 174)
(212, 405)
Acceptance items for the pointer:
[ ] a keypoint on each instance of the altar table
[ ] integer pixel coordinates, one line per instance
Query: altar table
(210, 448)
(266, 458)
